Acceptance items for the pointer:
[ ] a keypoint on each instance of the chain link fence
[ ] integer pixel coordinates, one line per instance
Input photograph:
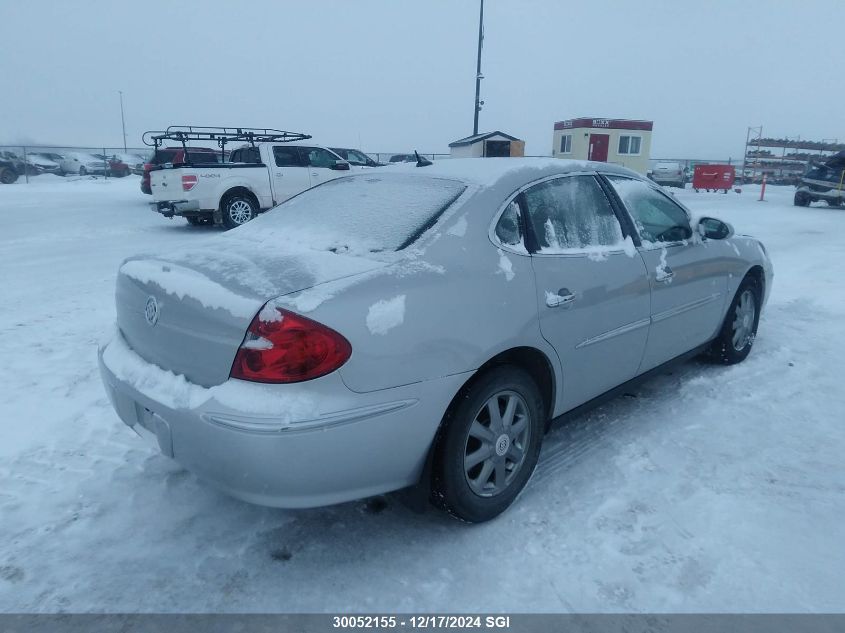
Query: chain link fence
(27, 162)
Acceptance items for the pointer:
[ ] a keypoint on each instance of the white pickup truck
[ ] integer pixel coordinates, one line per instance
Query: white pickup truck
(255, 178)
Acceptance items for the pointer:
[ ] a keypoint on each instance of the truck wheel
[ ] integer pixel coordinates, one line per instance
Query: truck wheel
(238, 209)
(801, 199)
(82, 170)
(833, 203)
(8, 175)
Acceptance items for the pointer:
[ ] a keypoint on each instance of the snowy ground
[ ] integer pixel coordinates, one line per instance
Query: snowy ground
(713, 489)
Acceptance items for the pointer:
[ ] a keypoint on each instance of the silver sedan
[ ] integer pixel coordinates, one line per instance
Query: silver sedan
(421, 326)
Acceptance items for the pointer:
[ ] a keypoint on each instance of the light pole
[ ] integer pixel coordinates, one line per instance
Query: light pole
(122, 120)
(478, 75)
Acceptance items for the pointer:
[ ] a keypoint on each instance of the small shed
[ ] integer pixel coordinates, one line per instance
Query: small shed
(489, 144)
(625, 142)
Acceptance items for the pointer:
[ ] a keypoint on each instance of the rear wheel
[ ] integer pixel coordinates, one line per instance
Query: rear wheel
(834, 203)
(740, 326)
(238, 209)
(8, 175)
(82, 170)
(489, 445)
(801, 199)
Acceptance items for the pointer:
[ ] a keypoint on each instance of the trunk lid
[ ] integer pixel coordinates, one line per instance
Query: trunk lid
(188, 312)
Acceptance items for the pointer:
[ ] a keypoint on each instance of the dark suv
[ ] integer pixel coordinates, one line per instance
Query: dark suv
(176, 156)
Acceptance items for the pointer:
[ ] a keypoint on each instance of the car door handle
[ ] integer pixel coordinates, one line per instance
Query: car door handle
(562, 298)
(664, 274)
(314, 173)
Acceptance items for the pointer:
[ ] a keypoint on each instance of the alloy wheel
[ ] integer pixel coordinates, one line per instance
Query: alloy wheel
(743, 325)
(496, 444)
(240, 211)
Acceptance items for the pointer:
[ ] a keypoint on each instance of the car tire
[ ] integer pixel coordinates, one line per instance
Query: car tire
(82, 171)
(801, 199)
(739, 329)
(238, 209)
(833, 203)
(465, 483)
(8, 175)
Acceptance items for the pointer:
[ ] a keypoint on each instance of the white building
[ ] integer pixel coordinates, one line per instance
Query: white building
(621, 141)
(487, 144)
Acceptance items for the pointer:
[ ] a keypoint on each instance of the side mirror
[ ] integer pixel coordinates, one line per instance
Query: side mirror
(713, 229)
(341, 165)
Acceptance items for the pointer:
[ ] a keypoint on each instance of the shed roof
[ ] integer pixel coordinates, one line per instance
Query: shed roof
(475, 138)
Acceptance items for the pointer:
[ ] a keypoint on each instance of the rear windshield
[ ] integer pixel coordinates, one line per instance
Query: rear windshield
(168, 155)
(384, 212)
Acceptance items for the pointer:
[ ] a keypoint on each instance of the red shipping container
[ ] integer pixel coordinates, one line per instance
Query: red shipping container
(713, 177)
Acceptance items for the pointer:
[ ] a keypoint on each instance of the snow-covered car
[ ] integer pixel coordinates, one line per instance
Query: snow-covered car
(135, 162)
(355, 157)
(83, 163)
(256, 178)
(38, 163)
(8, 171)
(421, 326)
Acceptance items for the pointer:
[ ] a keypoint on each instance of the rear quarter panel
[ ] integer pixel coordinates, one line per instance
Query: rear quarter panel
(444, 311)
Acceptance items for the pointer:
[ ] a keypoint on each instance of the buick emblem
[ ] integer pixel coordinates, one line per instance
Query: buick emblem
(151, 310)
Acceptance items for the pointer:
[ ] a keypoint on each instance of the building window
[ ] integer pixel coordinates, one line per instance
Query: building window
(629, 144)
(566, 144)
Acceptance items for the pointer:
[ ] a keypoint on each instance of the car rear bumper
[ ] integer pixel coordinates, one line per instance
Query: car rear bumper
(348, 446)
(169, 208)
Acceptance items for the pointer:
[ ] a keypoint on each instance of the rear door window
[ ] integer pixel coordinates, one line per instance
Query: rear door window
(287, 156)
(571, 214)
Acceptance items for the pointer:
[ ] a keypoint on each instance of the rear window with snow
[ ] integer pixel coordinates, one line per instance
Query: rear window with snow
(378, 212)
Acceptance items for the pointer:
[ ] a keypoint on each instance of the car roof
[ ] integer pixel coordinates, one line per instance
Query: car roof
(488, 171)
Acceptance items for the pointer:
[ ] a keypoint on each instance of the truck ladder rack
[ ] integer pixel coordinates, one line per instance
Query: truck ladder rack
(222, 135)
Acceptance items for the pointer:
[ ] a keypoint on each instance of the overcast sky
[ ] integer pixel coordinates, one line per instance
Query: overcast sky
(396, 75)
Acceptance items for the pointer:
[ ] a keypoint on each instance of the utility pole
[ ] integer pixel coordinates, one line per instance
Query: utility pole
(478, 75)
(122, 120)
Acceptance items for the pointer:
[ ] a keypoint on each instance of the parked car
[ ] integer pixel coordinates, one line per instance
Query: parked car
(134, 161)
(355, 157)
(255, 179)
(403, 158)
(176, 156)
(83, 164)
(421, 326)
(8, 171)
(14, 161)
(115, 166)
(47, 162)
(669, 174)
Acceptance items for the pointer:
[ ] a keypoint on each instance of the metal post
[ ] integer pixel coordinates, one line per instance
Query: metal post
(25, 166)
(122, 120)
(478, 75)
(105, 165)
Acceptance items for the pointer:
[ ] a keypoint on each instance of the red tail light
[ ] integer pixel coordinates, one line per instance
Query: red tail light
(283, 347)
(148, 167)
(189, 182)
